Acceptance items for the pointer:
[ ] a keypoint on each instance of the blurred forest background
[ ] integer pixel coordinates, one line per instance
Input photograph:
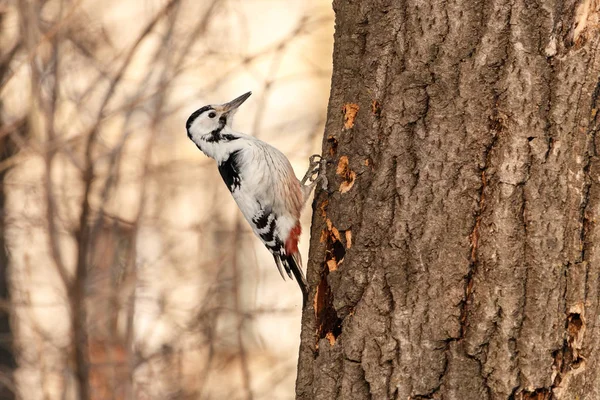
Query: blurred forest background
(127, 270)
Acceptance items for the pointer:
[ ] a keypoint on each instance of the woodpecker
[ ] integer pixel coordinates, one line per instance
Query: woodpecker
(261, 181)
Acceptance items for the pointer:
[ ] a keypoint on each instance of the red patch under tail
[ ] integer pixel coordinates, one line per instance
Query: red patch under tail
(291, 244)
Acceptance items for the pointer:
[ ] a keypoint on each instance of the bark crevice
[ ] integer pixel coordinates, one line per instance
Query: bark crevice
(474, 236)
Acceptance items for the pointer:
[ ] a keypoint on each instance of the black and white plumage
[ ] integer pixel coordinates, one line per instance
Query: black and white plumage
(260, 179)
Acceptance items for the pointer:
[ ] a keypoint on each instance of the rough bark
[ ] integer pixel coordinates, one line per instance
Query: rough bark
(455, 254)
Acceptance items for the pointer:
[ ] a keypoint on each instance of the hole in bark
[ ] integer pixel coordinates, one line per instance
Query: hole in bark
(530, 138)
(328, 322)
(350, 110)
(376, 108)
(329, 325)
(578, 363)
(334, 248)
(575, 324)
(338, 251)
(346, 173)
(568, 358)
(333, 145)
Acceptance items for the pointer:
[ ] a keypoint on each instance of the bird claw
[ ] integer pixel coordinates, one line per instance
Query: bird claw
(316, 172)
(314, 157)
(314, 168)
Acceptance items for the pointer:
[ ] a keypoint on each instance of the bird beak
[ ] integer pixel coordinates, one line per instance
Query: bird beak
(234, 104)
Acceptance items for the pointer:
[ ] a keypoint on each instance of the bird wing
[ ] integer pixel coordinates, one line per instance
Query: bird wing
(264, 186)
(277, 206)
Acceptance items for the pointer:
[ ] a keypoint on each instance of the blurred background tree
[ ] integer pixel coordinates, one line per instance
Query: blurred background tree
(130, 272)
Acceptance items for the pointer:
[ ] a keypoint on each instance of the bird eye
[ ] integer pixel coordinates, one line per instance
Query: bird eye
(212, 115)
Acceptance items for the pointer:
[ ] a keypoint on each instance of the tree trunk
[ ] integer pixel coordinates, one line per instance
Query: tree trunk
(455, 254)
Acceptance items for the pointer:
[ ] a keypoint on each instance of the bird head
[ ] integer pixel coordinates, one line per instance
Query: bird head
(207, 122)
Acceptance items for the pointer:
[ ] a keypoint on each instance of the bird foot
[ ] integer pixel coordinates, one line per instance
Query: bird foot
(315, 173)
(313, 170)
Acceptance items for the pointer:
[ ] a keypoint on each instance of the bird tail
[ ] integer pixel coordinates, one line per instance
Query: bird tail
(293, 265)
